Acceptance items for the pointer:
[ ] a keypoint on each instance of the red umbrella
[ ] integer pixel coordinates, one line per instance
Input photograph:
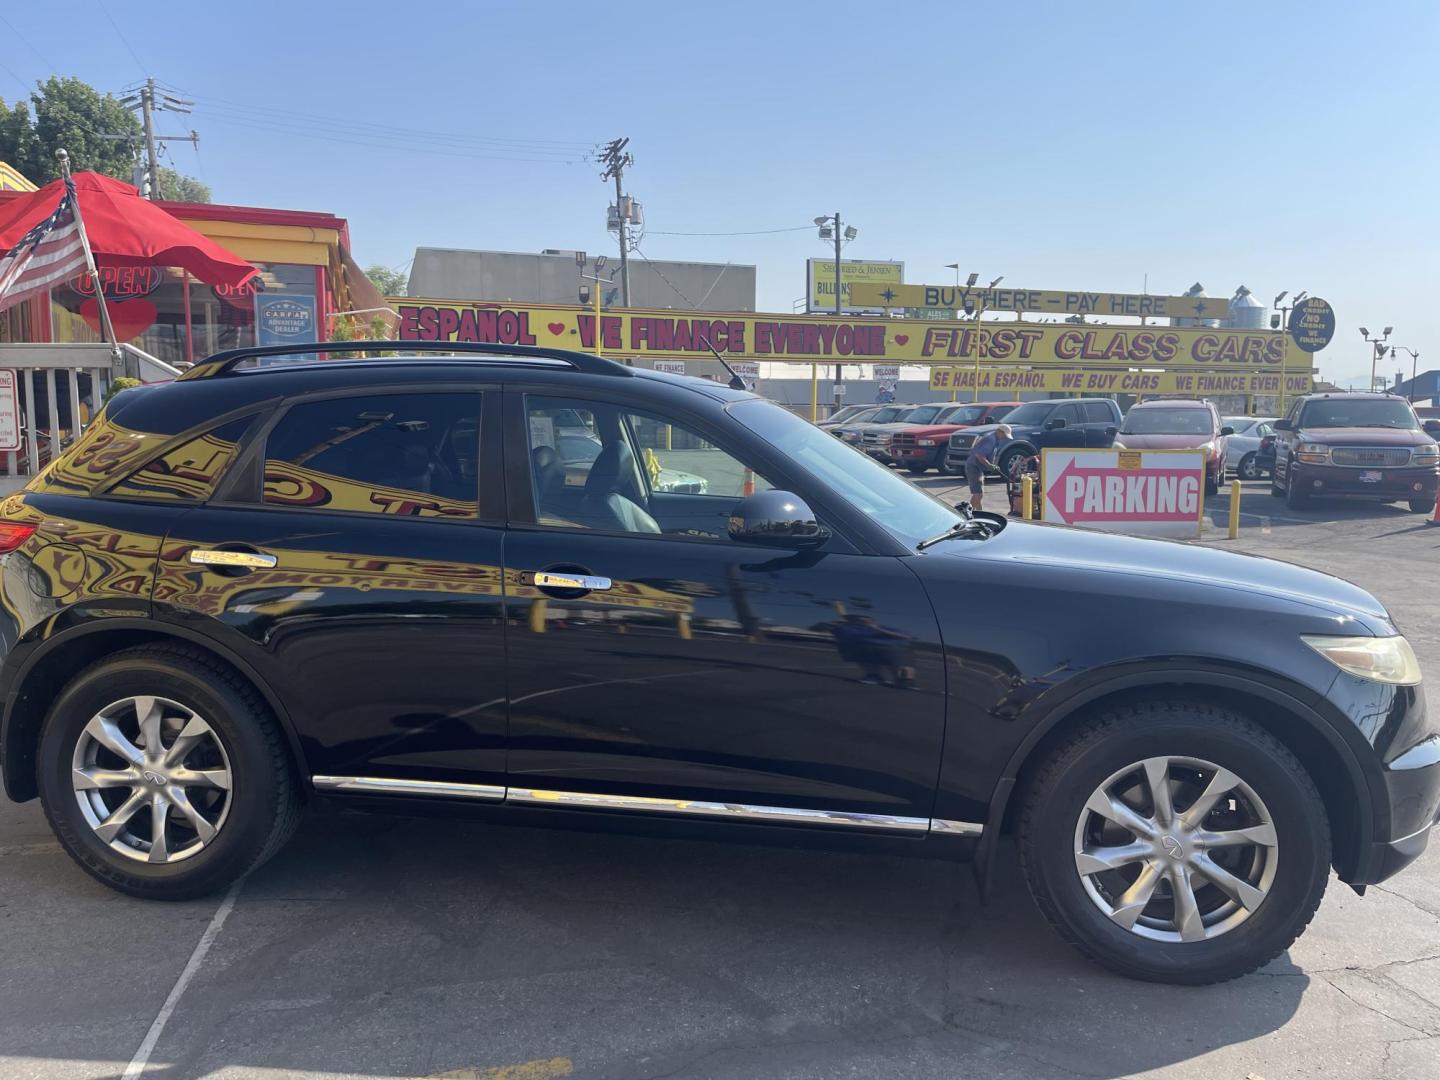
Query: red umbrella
(126, 230)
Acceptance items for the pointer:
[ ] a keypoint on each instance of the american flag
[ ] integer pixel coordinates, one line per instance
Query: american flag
(44, 257)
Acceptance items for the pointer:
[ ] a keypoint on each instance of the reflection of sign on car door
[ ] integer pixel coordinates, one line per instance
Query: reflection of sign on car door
(1144, 492)
(284, 320)
(9, 411)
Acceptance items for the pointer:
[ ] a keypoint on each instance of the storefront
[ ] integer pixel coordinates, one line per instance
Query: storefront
(307, 280)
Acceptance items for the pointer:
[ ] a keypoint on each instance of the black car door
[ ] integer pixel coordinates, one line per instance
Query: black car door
(352, 557)
(690, 673)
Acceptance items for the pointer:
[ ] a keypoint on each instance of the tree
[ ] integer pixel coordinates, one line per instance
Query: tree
(182, 188)
(389, 282)
(67, 113)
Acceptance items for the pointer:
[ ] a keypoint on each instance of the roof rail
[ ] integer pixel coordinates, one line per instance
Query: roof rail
(223, 363)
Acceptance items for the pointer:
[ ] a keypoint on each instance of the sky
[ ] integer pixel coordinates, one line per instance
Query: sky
(1066, 146)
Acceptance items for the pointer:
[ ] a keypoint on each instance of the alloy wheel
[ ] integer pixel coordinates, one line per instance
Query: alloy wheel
(152, 779)
(1248, 469)
(1176, 849)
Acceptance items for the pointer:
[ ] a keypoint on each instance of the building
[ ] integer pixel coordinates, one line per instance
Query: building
(309, 283)
(553, 276)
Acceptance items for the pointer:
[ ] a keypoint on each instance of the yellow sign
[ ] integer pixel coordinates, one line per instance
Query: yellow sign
(1054, 380)
(635, 332)
(820, 276)
(1129, 459)
(1104, 305)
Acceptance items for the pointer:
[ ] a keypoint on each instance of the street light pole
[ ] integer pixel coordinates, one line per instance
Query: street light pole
(1377, 349)
(1284, 344)
(1414, 366)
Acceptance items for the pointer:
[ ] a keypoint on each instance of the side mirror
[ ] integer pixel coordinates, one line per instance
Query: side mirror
(1058, 422)
(776, 519)
(1432, 427)
(1283, 425)
(1227, 431)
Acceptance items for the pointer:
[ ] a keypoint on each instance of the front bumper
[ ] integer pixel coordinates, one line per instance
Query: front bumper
(913, 455)
(1412, 782)
(1394, 485)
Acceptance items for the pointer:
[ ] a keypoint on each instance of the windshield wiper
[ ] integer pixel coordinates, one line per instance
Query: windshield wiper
(968, 524)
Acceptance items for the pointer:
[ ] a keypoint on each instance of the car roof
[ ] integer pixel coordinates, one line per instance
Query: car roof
(1185, 403)
(1348, 395)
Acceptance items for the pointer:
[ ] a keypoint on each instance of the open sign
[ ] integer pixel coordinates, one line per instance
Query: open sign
(120, 282)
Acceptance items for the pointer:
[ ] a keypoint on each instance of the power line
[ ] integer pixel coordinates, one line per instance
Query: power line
(123, 39)
(742, 232)
(660, 274)
(26, 42)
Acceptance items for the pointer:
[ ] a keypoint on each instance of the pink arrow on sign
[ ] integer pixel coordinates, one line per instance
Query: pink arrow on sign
(1114, 494)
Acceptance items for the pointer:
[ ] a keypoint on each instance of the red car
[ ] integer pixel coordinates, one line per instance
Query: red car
(922, 446)
(1177, 424)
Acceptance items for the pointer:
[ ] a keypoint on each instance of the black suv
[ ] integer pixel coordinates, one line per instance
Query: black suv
(386, 584)
(1040, 424)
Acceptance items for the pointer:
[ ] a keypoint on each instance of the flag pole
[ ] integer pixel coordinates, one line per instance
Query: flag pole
(107, 328)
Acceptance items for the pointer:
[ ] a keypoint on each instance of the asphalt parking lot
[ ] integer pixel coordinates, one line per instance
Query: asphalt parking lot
(396, 947)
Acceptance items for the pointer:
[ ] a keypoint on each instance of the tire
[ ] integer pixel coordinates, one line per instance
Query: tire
(917, 470)
(242, 747)
(1295, 499)
(1057, 814)
(1007, 459)
(1212, 484)
(1247, 469)
(1422, 506)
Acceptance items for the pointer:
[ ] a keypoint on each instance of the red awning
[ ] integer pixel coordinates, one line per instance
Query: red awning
(126, 230)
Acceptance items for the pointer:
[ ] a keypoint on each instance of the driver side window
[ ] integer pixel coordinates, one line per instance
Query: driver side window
(594, 465)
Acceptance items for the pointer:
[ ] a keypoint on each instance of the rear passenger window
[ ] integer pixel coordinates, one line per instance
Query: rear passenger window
(405, 455)
(190, 471)
(1097, 412)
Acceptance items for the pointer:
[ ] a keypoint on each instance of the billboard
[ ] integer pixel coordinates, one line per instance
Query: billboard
(664, 333)
(875, 294)
(1061, 380)
(1143, 492)
(820, 281)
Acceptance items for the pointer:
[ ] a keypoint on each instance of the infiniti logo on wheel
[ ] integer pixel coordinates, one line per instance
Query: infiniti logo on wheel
(1173, 847)
(153, 778)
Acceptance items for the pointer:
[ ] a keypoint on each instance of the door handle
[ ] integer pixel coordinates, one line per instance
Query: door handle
(249, 560)
(549, 579)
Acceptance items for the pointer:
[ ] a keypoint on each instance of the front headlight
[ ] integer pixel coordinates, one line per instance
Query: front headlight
(1379, 659)
(1425, 455)
(1312, 453)
(1208, 447)
(924, 442)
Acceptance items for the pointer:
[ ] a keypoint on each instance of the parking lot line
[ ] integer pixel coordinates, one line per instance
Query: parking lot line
(197, 957)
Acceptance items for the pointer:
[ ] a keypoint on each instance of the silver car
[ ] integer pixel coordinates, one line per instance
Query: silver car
(1242, 447)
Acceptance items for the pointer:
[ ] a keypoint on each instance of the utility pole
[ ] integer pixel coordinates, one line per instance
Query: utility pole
(616, 161)
(145, 100)
(830, 229)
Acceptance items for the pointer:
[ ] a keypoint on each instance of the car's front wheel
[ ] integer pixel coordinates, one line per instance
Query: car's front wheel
(164, 775)
(1248, 469)
(1175, 841)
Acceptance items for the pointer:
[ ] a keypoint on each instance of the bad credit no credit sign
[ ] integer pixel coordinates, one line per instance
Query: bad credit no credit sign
(637, 332)
(1144, 492)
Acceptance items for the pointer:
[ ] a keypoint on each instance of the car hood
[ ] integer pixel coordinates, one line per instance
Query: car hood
(1364, 436)
(1107, 564)
(926, 430)
(1163, 442)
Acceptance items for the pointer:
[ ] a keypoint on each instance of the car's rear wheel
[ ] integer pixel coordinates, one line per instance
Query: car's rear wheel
(1248, 469)
(1423, 506)
(1176, 842)
(164, 775)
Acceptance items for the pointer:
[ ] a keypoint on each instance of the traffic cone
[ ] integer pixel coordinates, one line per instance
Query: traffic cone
(1436, 519)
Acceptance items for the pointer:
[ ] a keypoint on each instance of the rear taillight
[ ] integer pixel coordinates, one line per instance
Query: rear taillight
(13, 534)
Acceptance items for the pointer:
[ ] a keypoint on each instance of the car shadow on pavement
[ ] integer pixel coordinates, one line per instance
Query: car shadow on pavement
(422, 947)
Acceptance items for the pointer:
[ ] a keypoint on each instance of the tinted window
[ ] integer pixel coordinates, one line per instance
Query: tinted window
(922, 415)
(1359, 412)
(190, 471)
(1069, 413)
(1164, 421)
(1097, 412)
(1031, 414)
(407, 455)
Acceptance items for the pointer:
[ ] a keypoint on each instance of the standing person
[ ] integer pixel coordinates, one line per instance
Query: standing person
(983, 455)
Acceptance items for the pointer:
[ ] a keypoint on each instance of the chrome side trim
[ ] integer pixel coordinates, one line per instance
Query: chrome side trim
(729, 811)
(383, 785)
(582, 800)
(956, 828)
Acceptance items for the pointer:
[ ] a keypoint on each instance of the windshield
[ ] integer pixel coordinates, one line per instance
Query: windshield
(968, 414)
(922, 415)
(901, 508)
(846, 412)
(889, 413)
(1032, 413)
(1168, 422)
(1240, 424)
(1359, 412)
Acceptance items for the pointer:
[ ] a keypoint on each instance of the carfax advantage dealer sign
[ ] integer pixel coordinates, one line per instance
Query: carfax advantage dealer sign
(1143, 492)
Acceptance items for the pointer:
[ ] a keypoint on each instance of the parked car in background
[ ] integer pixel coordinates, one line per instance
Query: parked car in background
(920, 445)
(1242, 445)
(1040, 424)
(1265, 455)
(847, 412)
(1357, 445)
(1178, 424)
(878, 439)
(851, 430)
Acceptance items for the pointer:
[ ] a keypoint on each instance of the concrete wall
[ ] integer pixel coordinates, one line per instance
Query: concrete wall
(455, 274)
